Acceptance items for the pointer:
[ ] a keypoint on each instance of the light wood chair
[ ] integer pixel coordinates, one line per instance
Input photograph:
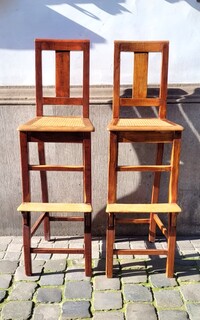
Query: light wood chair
(57, 129)
(157, 130)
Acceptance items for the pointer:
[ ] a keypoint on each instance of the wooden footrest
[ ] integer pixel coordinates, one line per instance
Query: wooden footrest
(142, 208)
(54, 207)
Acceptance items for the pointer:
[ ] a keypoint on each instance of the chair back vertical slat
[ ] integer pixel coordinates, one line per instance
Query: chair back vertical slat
(140, 75)
(62, 73)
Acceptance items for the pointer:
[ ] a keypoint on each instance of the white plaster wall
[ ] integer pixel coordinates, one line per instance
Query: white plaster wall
(101, 21)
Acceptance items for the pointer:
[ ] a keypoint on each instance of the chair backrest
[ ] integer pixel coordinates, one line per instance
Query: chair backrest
(62, 49)
(141, 51)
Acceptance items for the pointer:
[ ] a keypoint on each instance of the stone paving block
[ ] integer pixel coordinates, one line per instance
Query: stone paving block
(43, 256)
(3, 246)
(191, 292)
(12, 256)
(2, 295)
(14, 247)
(123, 245)
(140, 311)
(37, 267)
(77, 263)
(23, 291)
(17, 310)
(5, 240)
(78, 290)
(172, 314)
(76, 273)
(100, 265)
(133, 263)
(108, 315)
(107, 300)
(49, 295)
(2, 254)
(46, 312)
(133, 276)
(103, 283)
(168, 299)
(137, 293)
(188, 275)
(76, 309)
(156, 265)
(75, 244)
(55, 265)
(7, 266)
(193, 310)
(160, 280)
(52, 279)
(185, 245)
(5, 280)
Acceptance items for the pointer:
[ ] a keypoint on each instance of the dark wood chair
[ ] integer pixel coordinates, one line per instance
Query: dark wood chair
(57, 129)
(156, 130)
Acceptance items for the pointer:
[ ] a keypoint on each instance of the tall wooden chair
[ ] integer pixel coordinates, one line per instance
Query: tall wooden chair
(57, 129)
(157, 130)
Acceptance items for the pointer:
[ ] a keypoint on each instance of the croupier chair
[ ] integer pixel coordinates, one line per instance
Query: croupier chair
(55, 129)
(157, 130)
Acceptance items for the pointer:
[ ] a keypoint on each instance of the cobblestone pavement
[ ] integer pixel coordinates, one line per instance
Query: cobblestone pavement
(59, 289)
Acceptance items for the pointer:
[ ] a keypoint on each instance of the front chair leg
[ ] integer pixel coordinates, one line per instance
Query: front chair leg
(110, 235)
(171, 244)
(87, 244)
(27, 242)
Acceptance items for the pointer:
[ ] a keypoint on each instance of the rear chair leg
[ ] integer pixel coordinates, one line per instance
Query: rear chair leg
(155, 191)
(44, 188)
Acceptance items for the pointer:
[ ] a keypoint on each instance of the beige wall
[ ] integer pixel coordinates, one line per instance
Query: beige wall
(17, 106)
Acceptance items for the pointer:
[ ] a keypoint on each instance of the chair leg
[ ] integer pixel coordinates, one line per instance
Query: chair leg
(155, 191)
(110, 237)
(87, 194)
(112, 164)
(44, 189)
(173, 190)
(26, 216)
(27, 243)
(171, 244)
(87, 244)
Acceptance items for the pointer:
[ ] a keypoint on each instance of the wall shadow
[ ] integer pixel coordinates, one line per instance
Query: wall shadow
(23, 21)
(193, 3)
(186, 113)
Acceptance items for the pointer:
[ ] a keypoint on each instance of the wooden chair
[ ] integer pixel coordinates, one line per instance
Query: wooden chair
(157, 130)
(46, 129)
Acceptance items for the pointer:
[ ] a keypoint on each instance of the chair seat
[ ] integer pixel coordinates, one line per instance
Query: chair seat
(54, 207)
(150, 124)
(58, 124)
(142, 208)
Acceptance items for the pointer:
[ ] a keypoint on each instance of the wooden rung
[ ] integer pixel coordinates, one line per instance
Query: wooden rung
(55, 168)
(54, 207)
(140, 208)
(152, 168)
(140, 251)
(136, 221)
(58, 250)
(66, 218)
